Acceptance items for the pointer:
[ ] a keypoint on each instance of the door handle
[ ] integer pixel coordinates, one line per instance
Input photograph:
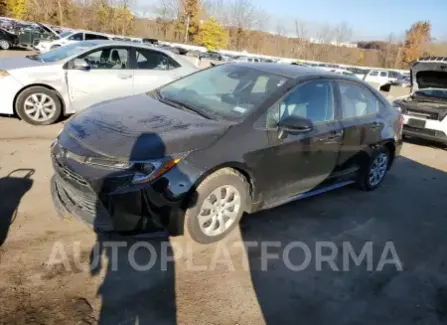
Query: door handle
(375, 125)
(127, 76)
(334, 135)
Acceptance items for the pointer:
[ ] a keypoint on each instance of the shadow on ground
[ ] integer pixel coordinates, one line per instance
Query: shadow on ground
(404, 212)
(12, 189)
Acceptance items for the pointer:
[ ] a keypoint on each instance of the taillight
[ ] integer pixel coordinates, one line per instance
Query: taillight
(401, 119)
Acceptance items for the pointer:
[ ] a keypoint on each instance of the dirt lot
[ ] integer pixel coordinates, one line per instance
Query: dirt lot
(48, 272)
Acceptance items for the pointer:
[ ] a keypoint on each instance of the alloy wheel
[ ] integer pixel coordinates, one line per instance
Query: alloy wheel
(39, 107)
(378, 169)
(219, 210)
(4, 45)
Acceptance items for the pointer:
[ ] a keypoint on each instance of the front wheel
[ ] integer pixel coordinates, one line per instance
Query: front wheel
(4, 45)
(374, 172)
(219, 202)
(38, 106)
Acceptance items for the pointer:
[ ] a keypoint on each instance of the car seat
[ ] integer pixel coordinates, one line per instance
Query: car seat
(354, 102)
(116, 60)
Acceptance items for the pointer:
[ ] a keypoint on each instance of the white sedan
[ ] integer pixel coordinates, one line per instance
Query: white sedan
(41, 88)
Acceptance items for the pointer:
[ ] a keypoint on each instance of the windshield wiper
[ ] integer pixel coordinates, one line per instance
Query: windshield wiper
(181, 105)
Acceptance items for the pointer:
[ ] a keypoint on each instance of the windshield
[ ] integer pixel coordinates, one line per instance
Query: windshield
(229, 92)
(65, 34)
(437, 93)
(64, 52)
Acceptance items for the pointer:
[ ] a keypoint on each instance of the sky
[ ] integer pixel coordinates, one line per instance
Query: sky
(369, 19)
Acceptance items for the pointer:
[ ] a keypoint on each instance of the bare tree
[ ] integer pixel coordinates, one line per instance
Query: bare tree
(302, 42)
(342, 33)
(166, 11)
(242, 17)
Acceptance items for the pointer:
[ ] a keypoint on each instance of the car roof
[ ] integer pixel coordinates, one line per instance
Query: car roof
(124, 43)
(290, 71)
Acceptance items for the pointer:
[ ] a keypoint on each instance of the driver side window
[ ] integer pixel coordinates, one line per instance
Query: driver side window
(312, 100)
(107, 58)
(76, 37)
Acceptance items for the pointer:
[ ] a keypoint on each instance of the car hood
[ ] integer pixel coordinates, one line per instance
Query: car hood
(138, 128)
(428, 75)
(19, 63)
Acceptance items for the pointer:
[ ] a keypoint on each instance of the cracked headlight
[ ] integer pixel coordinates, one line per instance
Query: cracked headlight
(148, 171)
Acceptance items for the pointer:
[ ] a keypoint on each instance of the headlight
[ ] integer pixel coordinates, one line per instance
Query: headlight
(3, 73)
(104, 162)
(148, 171)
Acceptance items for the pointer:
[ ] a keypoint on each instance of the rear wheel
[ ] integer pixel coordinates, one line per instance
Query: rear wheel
(220, 201)
(38, 106)
(374, 172)
(4, 45)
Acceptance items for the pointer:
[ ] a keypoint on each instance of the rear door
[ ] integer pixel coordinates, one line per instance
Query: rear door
(300, 162)
(152, 69)
(109, 77)
(361, 120)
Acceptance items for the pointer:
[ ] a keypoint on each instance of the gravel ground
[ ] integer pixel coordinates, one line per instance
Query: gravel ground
(49, 273)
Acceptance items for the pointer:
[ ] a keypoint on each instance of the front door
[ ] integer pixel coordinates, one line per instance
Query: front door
(109, 77)
(300, 162)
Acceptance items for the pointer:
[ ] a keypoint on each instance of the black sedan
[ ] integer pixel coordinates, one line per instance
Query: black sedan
(7, 39)
(194, 155)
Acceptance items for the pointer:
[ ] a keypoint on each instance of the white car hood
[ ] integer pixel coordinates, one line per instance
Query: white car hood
(9, 64)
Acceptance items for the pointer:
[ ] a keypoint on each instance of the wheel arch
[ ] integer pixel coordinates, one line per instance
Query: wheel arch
(239, 167)
(14, 103)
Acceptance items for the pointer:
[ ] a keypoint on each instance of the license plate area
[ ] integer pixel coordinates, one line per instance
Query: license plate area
(416, 123)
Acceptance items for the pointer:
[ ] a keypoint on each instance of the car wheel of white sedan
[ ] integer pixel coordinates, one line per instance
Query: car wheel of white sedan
(4, 45)
(38, 106)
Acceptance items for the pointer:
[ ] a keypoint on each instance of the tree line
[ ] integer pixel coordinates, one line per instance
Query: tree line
(227, 24)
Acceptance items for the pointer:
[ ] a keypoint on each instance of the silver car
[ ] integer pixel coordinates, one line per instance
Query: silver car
(41, 88)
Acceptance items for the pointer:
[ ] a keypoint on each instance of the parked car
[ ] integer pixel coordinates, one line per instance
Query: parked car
(69, 37)
(425, 109)
(195, 154)
(40, 88)
(8, 39)
(343, 72)
(381, 76)
(359, 72)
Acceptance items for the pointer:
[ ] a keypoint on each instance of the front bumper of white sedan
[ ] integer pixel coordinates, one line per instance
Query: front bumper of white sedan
(9, 88)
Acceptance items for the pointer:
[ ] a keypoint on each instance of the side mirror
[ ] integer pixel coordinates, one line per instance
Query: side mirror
(295, 125)
(81, 64)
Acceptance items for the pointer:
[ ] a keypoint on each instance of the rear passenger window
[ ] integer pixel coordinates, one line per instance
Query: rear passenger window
(374, 73)
(154, 60)
(383, 74)
(357, 100)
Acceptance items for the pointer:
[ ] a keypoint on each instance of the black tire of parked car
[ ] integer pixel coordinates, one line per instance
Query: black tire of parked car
(5, 45)
(20, 105)
(222, 177)
(363, 181)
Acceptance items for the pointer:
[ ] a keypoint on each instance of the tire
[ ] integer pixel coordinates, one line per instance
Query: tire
(380, 161)
(4, 45)
(49, 110)
(229, 182)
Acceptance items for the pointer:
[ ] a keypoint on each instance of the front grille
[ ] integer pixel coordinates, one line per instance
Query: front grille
(421, 114)
(67, 172)
(86, 200)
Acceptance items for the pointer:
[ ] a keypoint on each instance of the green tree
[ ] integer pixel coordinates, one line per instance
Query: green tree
(212, 35)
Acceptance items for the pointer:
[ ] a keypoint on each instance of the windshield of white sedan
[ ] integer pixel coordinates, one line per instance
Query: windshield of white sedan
(228, 92)
(64, 52)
